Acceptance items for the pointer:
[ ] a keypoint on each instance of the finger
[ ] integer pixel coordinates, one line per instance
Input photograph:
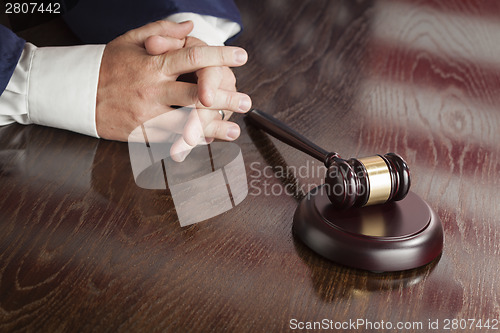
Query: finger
(218, 129)
(180, 93)
(231, 101)
(161, 28)
(193, 41)
(193, 130)
(223, 130)
(186, 94)
(192, 136)
(180, 149)
(156, 45)
(187, 60)
(203, 124)
(228, 79)
(209, 80)
(195, 135)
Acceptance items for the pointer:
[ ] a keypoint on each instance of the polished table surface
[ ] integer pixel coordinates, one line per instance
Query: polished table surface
(83, 247)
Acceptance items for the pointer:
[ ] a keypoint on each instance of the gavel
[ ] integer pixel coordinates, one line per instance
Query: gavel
(351, 183)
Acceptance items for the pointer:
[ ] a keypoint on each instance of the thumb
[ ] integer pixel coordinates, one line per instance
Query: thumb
(156, 45)
(161, 28)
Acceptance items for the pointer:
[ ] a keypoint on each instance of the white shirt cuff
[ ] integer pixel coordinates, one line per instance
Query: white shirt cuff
(212, 30)
(54, 86)
(62, 87)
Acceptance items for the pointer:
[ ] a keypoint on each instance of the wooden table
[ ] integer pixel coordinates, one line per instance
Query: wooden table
(83, 248)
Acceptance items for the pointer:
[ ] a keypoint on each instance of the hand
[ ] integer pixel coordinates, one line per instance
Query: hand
(210, 79)
(135, 86)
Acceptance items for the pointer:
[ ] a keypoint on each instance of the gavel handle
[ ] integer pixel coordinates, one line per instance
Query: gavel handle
(284, 133)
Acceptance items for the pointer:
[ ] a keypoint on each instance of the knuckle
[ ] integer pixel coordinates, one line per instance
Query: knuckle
(163, 25)
(232, 81)
(159, 63)
(193, 97)
(224, 57)
(231, 101)
(142, 105)
(158, 24)
(146, 93)
(193, 41)
(232, 77)
(139, 115)
(218, 131)
(229, 78)
(195, 56)
(218, 71)
(143, 94)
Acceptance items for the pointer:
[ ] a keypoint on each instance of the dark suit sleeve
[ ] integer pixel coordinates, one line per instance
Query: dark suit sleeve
(11, 48)
(97, 21)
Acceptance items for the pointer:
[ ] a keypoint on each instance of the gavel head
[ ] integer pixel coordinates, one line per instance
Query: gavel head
(366, 181)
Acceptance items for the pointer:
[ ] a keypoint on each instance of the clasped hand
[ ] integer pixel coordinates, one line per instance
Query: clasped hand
(138, 81)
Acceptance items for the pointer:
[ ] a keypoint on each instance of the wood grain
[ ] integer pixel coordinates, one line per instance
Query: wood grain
(83, 248)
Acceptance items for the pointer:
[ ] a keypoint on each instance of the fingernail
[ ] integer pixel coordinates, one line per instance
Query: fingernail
(240, 56)
(245, 104)
(233, 132)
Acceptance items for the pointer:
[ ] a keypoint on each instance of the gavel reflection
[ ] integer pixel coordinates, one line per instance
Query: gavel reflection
(356, 182)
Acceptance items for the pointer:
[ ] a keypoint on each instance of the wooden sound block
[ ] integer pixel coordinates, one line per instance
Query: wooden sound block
(391, 237)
